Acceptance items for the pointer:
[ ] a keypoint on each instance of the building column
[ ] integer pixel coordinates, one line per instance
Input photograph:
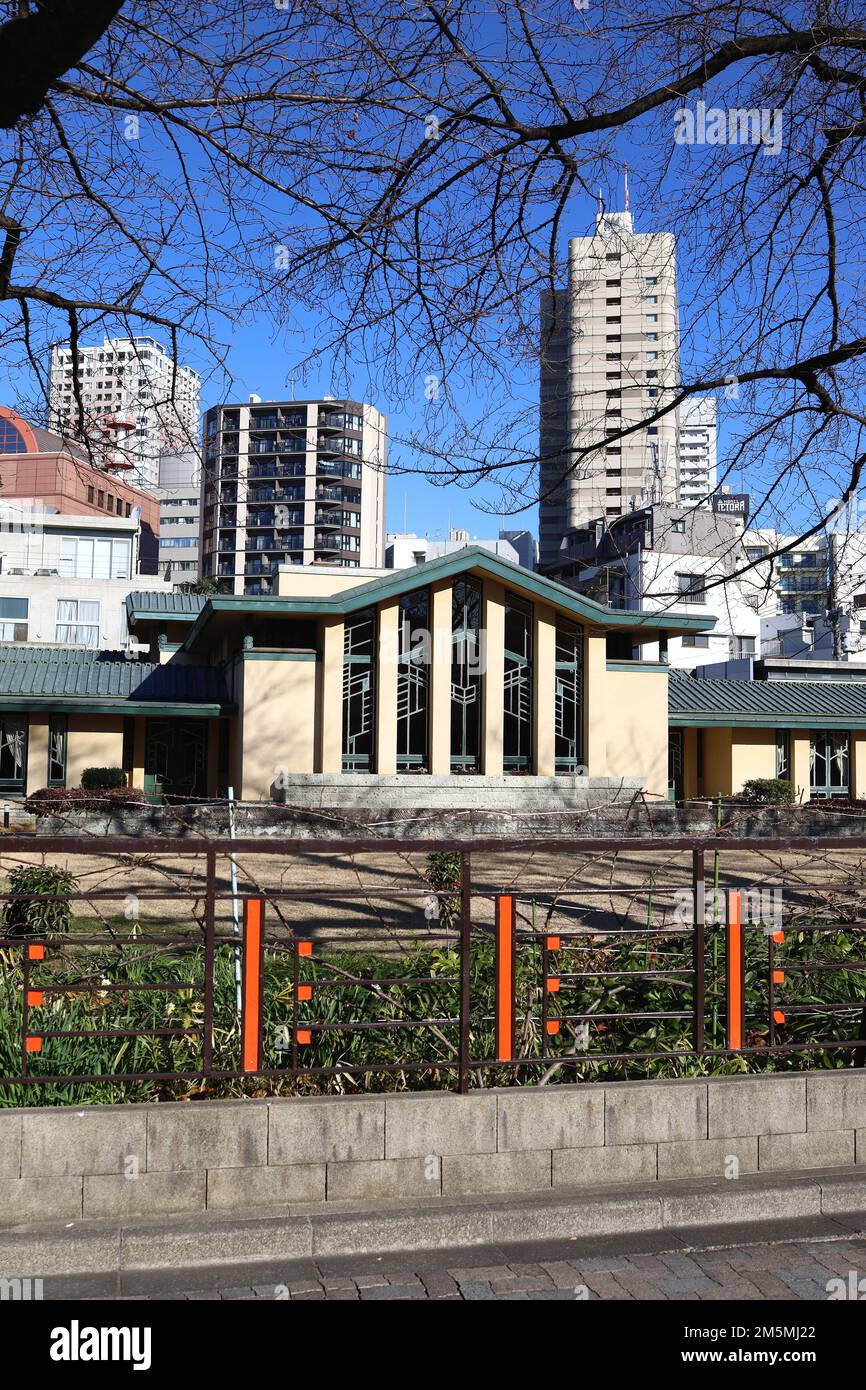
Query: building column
(138, 751)
(595, 722)
(493, 649)
(858, 763)
(801, 764)
(544, 691)
(213, 756)
(37, 753)
(330, 736)
(440, 679)
(386, 688)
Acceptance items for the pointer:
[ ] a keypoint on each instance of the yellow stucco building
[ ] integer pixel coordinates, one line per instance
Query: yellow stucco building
(465, 665)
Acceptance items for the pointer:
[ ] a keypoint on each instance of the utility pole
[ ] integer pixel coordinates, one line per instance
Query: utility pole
(834, 613)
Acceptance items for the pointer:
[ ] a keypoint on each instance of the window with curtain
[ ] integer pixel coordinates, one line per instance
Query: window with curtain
(77, 622)
(82, 557)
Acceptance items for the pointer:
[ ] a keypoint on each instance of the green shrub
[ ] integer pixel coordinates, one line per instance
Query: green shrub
(35, 917)
(443, 876)
(54, 801)
(103, 778)
(768, 791)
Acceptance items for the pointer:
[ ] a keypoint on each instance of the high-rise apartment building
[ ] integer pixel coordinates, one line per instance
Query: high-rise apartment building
(697, 451)
(291, 482)
(179, 496)
(134, 397)
(610, 358)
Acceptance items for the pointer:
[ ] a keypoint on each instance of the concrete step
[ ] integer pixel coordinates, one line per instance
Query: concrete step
(120, 1251)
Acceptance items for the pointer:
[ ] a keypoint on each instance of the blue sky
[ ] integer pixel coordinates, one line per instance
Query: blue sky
(262, 356)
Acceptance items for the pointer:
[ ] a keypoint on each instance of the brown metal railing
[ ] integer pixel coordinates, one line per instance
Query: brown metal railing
(514, 982)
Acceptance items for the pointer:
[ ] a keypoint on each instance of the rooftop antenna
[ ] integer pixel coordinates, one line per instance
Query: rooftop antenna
(625, 179)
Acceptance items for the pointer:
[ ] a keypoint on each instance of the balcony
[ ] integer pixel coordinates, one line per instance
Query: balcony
(326, 469)
(277, 422)
(339, 446)
(333, 494)
(334, 543)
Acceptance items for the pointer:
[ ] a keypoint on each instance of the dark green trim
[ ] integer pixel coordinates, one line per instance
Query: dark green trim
(766, 721)
(263, 655)
(638, 666)
(88, 706)
(432, 571)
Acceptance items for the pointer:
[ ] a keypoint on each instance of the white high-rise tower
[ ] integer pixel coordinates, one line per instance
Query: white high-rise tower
(133, 393)
(610, 357)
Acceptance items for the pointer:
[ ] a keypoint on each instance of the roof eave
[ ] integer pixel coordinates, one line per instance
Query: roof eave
(421, 576)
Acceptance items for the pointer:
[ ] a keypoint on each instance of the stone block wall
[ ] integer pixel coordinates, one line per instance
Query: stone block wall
(127, 1161)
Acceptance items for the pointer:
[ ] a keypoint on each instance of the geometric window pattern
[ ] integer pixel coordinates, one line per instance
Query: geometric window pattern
(517, 695)
(413, 681)
(359, 691)
(828, 763)
(465, 675)
(13, 751)
(57, 750)
(568, 754)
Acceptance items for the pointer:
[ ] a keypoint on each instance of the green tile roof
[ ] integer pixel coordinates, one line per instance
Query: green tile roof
(471, 557)
(154, 603)
(63, 678)
(767, 704)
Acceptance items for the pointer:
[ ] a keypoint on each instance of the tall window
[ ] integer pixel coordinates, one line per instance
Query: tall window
(13, 752)
(517, 702)
(57, 750)
(465, 676)
(13, 619)
(783, 754)
(77, 622)
(359, 691)
(569, 697)
(829, 763)
(413, 681)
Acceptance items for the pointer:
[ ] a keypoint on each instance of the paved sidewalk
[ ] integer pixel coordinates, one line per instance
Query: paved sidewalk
(768, 1270)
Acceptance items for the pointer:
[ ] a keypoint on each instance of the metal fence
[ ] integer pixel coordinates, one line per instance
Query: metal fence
(368, 961)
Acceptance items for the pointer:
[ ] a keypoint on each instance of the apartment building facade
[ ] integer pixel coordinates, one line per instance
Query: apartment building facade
(133, 392)
(610, 358)
(698, 427)
(179, 498)
(671, 556)
(291, 482)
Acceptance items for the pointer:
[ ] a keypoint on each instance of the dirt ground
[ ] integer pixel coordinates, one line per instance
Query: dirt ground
(377, 897)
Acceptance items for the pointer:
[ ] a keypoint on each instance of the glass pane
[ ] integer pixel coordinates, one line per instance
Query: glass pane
(359, 675)
(465, 676)
(413, 681)
(568, 714)
(517, 695)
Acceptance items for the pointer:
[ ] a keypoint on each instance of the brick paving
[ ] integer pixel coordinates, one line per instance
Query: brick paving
(770, 1270)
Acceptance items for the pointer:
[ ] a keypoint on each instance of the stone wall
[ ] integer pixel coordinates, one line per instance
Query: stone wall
(521, 811)
(128, 1161)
